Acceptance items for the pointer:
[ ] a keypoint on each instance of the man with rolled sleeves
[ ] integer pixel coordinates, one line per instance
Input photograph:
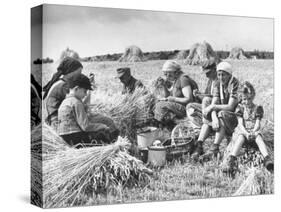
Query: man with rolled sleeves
(194, 109)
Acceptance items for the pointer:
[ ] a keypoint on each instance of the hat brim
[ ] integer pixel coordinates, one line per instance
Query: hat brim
(88, 88)
(120, 75)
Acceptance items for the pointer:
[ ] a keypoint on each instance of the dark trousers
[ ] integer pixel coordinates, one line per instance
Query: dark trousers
(86, 139)
(77, 139)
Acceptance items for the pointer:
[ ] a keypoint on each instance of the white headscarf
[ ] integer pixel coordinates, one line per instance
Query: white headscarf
(224, 66)
(171, 65)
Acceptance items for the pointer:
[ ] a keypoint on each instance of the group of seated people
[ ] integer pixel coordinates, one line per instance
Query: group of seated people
(67, 96)
(225, 109)
(217, 110)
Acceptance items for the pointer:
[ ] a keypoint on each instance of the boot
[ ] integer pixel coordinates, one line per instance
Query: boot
(268, 163)
(213, 152)
(231, 166)
(198, 150)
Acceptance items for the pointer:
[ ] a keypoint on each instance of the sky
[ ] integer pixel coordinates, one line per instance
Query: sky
(94, 31)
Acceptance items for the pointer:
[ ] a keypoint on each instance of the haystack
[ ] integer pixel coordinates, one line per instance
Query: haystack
(200, 53)
(237, 53)
(69, 53)
(132, 54)
(182, 55)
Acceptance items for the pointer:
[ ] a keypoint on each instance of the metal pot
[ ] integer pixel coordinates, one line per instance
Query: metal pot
(147, 137)
(157, 155)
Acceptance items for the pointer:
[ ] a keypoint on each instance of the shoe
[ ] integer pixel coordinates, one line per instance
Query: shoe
(268, 163)
(212, 153)
(231, 166)
(198, 150)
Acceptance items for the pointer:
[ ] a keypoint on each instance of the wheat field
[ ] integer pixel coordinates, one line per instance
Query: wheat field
(259, 72)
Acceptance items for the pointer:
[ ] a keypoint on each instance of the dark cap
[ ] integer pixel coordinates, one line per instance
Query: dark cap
(208, 65)
(81, 81)
(122, 71)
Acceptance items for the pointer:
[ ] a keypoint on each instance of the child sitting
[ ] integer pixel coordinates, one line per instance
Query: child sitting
(249, 121)
(74, 126)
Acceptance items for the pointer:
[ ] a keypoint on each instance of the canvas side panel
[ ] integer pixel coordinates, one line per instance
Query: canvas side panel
(36, 106)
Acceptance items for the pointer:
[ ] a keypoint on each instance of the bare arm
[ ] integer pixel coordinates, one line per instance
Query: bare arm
(87, 100)
(214, 115)
(206, 109)
(215, 100)
(188, 96)
(83, 120)
(81, 116)
(215, 121)
(257, 125)
(241, 125)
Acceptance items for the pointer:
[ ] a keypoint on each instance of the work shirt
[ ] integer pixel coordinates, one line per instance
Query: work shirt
(182, 82)
(210, 87)
(225, 92)
(72, 116)
(132, 85)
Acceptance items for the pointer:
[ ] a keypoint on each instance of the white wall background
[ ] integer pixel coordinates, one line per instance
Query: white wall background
(14, 94)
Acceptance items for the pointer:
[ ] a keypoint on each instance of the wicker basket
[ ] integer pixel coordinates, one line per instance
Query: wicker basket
(180, 143)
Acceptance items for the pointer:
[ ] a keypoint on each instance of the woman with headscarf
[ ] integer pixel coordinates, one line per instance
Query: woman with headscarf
(57, 88)
(219, 116)
(168, 109)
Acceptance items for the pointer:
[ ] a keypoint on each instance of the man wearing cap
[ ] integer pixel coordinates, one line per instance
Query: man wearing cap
(129, 82)
(194, 109)
(219, 115)
(168, 109)
(74, 124)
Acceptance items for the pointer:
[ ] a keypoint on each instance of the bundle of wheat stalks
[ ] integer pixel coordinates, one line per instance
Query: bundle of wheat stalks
(52, 142)
(258, 181)
(127, 111)
(70, 174)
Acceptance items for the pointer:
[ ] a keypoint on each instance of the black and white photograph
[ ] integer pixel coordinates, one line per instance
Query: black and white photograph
(132, 106)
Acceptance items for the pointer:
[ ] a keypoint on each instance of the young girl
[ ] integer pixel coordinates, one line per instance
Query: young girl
(248, 130)
(74, 125)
